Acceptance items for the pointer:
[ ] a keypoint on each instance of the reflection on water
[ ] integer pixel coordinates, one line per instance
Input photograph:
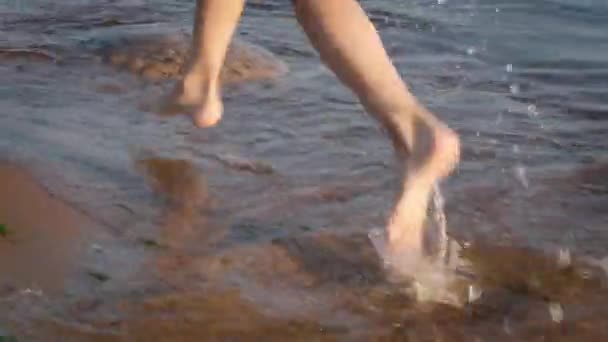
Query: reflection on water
(184, 189)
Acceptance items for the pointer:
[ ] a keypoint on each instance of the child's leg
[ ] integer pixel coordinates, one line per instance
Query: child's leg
(214, 25)
(349, 44)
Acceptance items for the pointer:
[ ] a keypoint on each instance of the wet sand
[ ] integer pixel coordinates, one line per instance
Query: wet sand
(322, 286)
(43, 234)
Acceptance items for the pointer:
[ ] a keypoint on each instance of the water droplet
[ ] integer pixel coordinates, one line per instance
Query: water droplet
(471, 51)
(520, 174)
(514, 88)
(497, 10)
(564, 258)
(440, 220)
(441, 2)
(532, 110)
(516, 148)
(556, 312)
(474, 293)
(97, 248)
(499, 118)
(33, 292)
(509, 67)
(586, 274)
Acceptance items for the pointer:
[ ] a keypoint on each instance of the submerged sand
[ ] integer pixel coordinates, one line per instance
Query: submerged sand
(43, 235)
(323, 286)
(156, 57)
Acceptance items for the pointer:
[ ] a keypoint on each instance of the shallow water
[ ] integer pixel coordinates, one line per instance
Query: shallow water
(259, 227)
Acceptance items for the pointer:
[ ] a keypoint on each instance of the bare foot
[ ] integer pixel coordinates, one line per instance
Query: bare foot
(209, 112)
(428, 164)
(186, 93)
(202, 100)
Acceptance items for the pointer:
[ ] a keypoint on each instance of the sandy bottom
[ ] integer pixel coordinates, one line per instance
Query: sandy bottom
(64, 278)
(42, 237)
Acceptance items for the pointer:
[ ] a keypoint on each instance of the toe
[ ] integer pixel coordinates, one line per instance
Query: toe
(207, 116)
(206, 120)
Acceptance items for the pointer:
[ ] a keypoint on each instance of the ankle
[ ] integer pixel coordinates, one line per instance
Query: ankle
(192, 81)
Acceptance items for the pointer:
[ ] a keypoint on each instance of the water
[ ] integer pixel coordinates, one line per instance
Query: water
(268, 213)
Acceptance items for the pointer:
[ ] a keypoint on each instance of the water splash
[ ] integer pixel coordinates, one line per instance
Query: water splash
(430, 278)
(514, 89)
(564, 258)
(506, 326)
(601, 263)
(521, 175)
(556, 312)
(442, 225)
